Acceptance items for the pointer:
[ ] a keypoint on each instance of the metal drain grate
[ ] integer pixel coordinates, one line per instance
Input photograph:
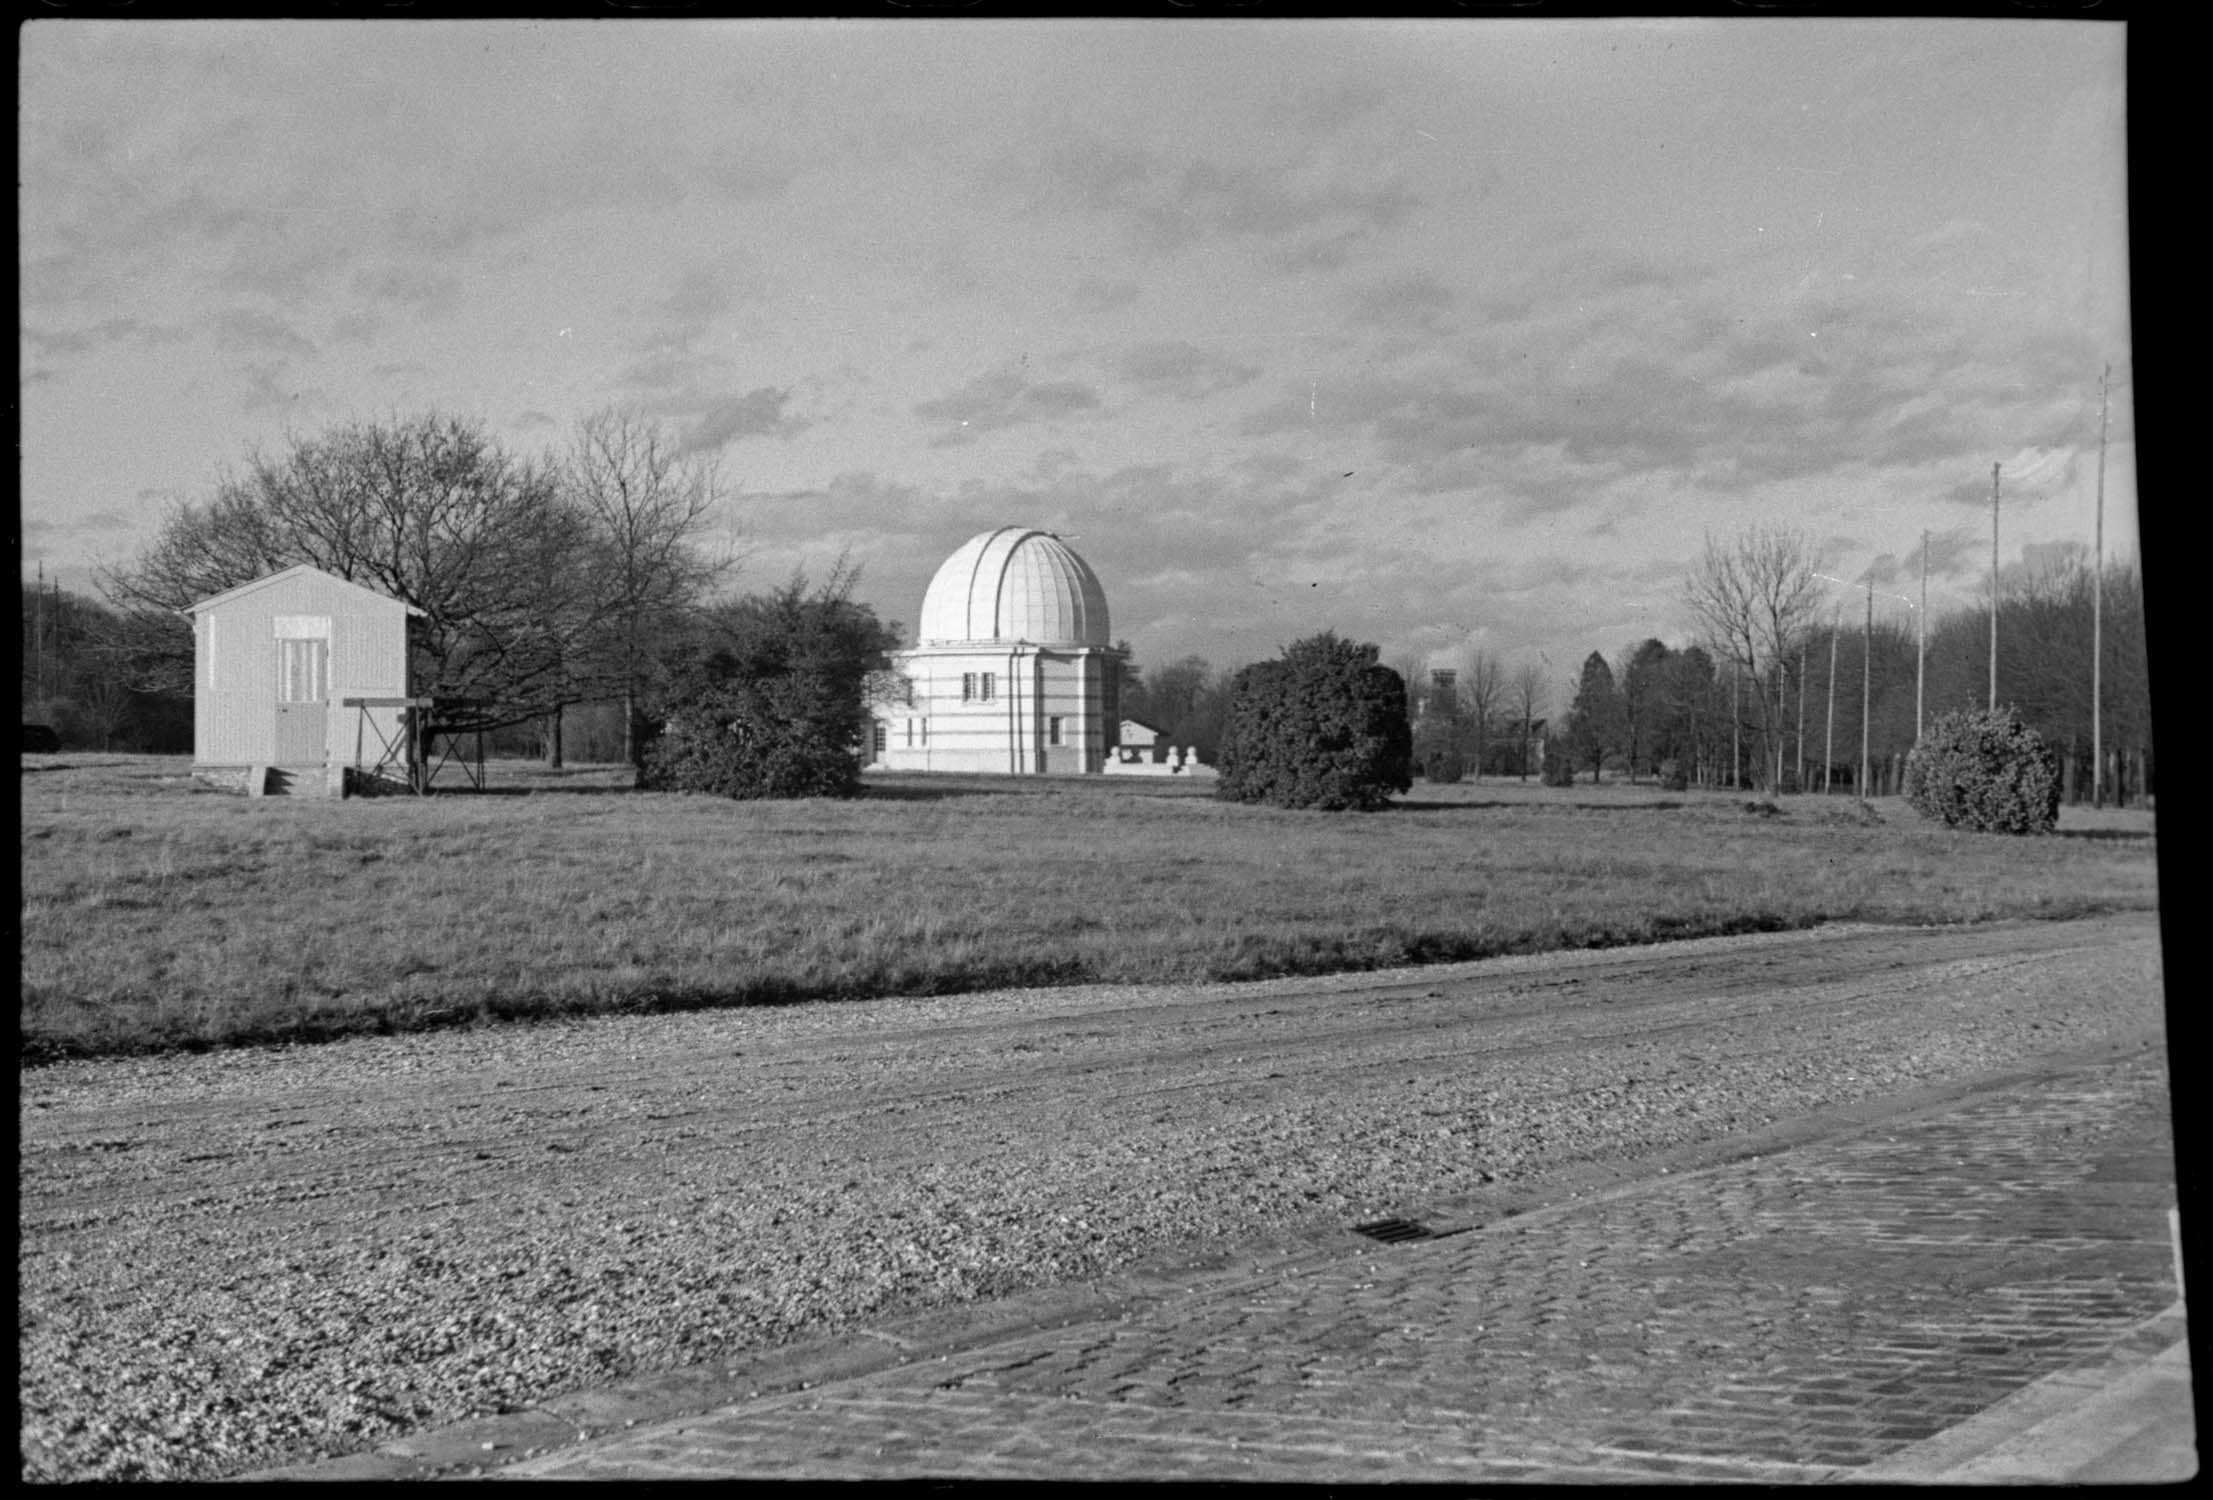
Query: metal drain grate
(1395, 1231)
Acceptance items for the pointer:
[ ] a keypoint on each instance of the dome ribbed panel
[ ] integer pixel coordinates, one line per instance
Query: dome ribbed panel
(945, 606)
(1014, 584)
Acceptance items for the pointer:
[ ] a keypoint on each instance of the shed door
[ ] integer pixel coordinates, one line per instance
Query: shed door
(303, 701)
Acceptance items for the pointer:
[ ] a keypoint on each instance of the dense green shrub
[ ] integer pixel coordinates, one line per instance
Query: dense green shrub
(1559, 767)
(777, 707)
(1673, 776)
(1438, 753)
(1323, 726)
(1986, 771)
(733, 742)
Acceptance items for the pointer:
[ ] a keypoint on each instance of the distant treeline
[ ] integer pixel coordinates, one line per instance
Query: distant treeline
(93, 674)
(78, 667)
(1657, 711)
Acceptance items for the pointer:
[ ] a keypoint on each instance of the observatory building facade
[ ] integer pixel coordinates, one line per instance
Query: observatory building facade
(1013, 670)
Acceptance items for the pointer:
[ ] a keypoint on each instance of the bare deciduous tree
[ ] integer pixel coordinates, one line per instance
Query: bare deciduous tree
(427, 509)
(1483, 696)
(650, 506)
(542, 584)
(1756, 596)
(1528, 693)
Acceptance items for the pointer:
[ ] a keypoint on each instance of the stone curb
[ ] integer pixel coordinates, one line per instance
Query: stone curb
(483, 1445)
(2069, 1420)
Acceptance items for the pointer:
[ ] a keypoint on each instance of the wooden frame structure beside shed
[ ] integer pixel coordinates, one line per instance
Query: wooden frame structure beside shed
(303, 684)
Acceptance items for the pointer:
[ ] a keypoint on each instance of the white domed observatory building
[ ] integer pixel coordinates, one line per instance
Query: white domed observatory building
(1013, 671)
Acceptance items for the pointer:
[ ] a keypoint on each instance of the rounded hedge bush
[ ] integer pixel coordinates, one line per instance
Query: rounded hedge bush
(1986, 771)
(737, 741)
(1323, 726)
(1558, 770)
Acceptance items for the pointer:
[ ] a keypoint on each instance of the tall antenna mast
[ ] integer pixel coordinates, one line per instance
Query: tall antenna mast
(2097, 616)
(1993, 587)
(1805, 646)
(1867, 679)
(1921, 644)
(1736, 712)
(1828, 743)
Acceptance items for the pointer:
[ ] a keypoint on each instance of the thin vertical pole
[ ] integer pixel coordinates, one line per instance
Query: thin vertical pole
(38, 637)
(1828, 750)
(1803, 646)
(1736, 695)
(1867, 681)
(2097, 617)
(1921, 641)
(1994, 588)
(1782, 713)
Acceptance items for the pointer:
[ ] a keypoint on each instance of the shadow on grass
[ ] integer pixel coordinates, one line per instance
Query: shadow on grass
(2110, 835)
(877, 791)
(871, 791)
(1420, 804)
(1098, 788)
(526, 791)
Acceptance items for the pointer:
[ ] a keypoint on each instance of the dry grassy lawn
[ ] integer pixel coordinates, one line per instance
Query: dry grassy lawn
(157, 913)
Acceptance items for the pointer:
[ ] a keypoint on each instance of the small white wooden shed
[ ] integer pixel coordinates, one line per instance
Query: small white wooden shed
(274, 662)
(1139, 743)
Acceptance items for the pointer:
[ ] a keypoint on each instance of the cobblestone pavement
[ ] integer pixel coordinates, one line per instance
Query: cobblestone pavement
(1796, 1316)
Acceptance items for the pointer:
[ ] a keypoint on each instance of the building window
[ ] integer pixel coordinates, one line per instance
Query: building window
(910, 734)
(968, 687)
(882, 740)
(988, 686)
(1052, 731)
(303, 671)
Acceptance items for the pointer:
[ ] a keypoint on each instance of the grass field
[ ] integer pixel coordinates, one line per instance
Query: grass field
(158, 914)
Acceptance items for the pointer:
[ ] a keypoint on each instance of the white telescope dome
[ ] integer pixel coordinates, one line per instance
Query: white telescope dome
(1015, 584)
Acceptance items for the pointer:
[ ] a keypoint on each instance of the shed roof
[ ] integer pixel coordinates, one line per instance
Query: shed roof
(229, 596)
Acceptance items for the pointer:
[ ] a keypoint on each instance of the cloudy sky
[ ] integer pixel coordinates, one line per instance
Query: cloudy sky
(1443, 334)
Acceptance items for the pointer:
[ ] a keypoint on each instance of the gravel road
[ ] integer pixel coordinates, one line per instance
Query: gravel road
(232, 1260)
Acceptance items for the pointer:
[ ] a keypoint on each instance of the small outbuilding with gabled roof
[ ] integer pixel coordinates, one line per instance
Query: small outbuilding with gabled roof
(274, 663)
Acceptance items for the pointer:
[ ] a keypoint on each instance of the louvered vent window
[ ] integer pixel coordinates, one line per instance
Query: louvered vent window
(303, 671)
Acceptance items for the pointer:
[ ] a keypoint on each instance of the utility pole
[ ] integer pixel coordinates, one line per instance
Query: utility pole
(1736, 698)
(1921, 642)
(1994, 588)
(38, 636)
(2097, 616)
(1828, 751)
(1867, 679)
(1782, 713)
(1803, 646)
